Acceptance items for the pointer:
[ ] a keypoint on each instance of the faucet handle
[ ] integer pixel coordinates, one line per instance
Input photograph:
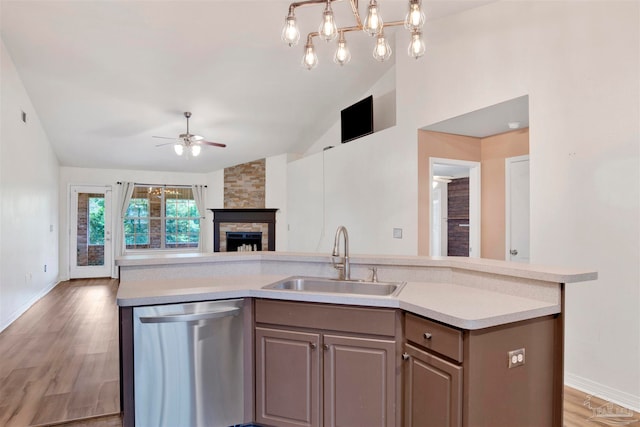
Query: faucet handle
(374, 274)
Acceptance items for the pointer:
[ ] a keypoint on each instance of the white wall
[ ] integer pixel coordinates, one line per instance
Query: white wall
(384, 111)
(28, 200)
(579, 63)
(275, 197)
(78, 176)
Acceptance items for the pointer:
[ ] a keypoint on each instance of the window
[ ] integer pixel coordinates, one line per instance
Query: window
(161, 217)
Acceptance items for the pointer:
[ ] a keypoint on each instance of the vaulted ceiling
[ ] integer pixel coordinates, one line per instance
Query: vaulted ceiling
(105, 77)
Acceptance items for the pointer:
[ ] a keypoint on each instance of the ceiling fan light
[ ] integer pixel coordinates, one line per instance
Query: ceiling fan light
(178, 148)
(195, 150)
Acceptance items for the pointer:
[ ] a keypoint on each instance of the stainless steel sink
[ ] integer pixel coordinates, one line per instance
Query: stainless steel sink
(317, 284)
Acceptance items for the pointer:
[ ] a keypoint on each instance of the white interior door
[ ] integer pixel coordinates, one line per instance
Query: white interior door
(517, 205)
(90, 231)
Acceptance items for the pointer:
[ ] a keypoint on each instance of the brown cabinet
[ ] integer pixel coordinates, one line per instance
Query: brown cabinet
(325, 365)
(432, 390)
(287, 377)
(463, 378)
(432, 385)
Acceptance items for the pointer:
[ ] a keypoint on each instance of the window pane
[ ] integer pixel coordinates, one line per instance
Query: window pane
(162, 217)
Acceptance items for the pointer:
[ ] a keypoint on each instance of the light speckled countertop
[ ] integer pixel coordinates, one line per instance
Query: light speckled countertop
(456, 305)
(463, 292)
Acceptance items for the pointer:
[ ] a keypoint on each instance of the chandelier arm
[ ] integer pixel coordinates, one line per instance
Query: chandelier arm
(293, 6)
(356, 13)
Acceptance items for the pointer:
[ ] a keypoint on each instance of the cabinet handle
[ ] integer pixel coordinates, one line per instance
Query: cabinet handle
(405, 356)
(312, 345)
(325, 346)
(427, 335)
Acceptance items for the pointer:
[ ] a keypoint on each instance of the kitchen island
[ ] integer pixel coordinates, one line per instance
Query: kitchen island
(483, 309)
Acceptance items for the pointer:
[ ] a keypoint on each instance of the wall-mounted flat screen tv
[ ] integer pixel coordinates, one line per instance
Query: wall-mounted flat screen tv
(357, 120)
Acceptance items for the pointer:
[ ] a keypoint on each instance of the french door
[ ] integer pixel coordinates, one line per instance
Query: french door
(90, 231)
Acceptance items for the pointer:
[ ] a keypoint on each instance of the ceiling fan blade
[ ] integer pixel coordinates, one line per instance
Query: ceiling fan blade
(166, 143)
(163, 137)
(214, 144)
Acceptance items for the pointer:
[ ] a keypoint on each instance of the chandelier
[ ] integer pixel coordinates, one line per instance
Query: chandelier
(373, 25)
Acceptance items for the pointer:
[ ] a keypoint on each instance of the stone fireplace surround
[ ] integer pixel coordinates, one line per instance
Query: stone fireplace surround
(258, 219)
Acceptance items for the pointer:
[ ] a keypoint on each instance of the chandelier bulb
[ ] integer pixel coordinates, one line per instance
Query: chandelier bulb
(328, 30)
(310, 58)
(373, 22)
(290, 32)
(342, 55)
(179, 149)
(195, 150)
(382, 50)
(415, 17)
(416, 47)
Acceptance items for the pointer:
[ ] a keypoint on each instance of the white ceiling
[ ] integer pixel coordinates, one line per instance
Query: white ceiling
(488, 121)
(106, 76)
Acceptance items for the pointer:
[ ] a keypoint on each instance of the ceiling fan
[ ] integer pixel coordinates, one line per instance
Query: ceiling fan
(188, 141)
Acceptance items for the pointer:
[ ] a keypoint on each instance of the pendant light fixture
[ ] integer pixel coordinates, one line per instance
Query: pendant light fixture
(382, 50)
(342, 56)
(328, 30)
(416, 47)
(373, 25)
(373, 22)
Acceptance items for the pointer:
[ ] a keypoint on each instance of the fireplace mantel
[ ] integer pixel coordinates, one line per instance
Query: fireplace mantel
(251, 215)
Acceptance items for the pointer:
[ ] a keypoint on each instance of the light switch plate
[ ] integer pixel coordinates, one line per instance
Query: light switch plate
(397, 233)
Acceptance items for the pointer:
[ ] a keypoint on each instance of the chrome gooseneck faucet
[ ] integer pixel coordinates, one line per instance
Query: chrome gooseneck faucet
(343, 267)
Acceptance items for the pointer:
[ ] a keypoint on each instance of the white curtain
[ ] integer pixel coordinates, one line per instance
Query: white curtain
(126, 190)
(199, 198)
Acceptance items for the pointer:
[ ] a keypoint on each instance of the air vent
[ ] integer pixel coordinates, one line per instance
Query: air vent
(24, 116)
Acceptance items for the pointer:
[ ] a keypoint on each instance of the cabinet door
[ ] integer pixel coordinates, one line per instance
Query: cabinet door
(359, 381)
(432, 390)
(287, 378)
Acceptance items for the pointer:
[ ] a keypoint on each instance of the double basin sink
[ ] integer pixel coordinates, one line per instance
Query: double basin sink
(355, 287)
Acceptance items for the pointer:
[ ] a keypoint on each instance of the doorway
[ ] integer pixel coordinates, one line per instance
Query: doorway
(455, 207)
(517, 208)
(90, 250)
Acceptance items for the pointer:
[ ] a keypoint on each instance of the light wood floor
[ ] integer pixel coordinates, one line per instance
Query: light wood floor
(59, 360)
(59, 363)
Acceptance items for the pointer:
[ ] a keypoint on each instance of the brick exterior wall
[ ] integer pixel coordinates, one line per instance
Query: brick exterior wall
(244, 185)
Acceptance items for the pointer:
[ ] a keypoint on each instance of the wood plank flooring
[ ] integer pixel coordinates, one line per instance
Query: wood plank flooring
(59, 363)
(60, 358)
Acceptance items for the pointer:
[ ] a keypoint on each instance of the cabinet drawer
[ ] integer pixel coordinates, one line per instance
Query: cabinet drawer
(434, 336)
(376, 321)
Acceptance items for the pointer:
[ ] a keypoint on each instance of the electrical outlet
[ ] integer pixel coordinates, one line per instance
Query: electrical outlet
(397, 233)
(516, 358)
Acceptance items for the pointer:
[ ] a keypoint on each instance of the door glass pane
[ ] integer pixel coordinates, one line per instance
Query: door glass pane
(90, 232)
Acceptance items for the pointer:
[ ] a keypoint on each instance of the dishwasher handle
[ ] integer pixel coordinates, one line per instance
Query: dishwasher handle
(192, 317)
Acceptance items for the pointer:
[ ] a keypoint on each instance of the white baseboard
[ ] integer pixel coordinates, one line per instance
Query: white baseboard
(21, 310)
(602, 391)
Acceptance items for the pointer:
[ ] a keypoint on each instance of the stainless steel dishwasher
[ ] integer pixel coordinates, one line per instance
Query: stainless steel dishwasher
(188, 364)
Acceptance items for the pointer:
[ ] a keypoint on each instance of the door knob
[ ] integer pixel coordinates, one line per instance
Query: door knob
(513, 252)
